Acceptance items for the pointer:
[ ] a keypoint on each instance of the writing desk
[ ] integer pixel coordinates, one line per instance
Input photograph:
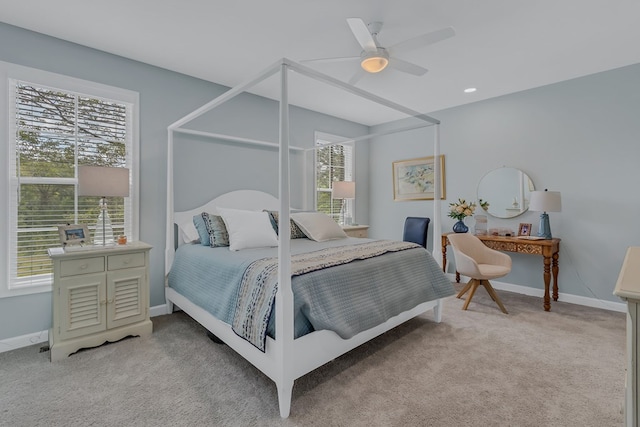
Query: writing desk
(549, 249)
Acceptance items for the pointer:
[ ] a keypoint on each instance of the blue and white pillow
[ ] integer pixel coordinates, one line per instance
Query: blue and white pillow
(218, 234)
(296, 232)
(211, 230)
(199, 222)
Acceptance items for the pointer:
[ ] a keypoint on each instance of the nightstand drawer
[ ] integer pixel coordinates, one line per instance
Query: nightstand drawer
(361, 231)
(118, 262)
(358, 233)
(74, 267)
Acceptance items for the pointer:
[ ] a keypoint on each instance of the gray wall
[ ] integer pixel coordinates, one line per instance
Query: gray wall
(579, 137)
(165, 97)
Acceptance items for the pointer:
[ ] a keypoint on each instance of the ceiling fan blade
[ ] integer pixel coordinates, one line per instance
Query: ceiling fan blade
(407, 67)
(362, 34)
(423, 40)
(335, 59)
(356, 77)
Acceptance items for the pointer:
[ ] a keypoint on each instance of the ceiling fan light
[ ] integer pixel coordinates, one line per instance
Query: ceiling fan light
(375, 62)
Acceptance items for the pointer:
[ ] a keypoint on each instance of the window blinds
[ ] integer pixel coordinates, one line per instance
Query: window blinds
(334, 162)
(56, 130)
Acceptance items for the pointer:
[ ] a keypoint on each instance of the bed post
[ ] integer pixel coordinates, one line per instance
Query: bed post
(169, 250)
(284, 295)
(437, 195)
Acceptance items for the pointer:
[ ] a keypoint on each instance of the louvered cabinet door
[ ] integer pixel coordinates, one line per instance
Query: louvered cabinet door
(82, 305)
(126, 297)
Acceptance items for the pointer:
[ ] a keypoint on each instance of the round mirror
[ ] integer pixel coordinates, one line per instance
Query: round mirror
(507, 190)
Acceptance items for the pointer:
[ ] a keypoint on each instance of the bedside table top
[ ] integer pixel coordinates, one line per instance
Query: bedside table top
(355, 227)
(60, 252)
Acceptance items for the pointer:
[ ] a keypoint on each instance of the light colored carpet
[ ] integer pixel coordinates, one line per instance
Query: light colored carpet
(476, 368)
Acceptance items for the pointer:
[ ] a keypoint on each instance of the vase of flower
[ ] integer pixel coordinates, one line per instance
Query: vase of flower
(460, 227)
(460, 211)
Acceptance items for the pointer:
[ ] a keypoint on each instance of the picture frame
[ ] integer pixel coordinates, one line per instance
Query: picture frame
(413, 179)
(524, 229)
(74, 234)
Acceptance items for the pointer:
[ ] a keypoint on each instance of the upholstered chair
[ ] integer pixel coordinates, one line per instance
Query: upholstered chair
(479, 263)
(416, 230)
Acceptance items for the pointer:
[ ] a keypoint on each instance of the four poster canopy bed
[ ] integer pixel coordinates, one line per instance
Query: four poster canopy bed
(290, 305)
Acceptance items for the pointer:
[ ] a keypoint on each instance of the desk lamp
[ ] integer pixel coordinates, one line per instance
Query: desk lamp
(545, 201)
(104, 182)
(343, 190)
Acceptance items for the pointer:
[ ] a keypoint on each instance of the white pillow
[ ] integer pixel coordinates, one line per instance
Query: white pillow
(188, 232)
(248, 229)
(318, 226)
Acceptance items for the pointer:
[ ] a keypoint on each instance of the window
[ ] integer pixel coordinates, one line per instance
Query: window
(53, 128)
(334, 161)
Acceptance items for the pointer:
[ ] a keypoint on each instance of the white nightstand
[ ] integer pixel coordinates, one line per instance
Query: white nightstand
(359, 230)
(100, 294)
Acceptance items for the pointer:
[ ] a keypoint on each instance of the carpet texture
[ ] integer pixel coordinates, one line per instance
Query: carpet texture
(477, 368)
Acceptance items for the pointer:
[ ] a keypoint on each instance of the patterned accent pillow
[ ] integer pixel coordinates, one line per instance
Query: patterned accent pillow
(218, 235)
(296, 232)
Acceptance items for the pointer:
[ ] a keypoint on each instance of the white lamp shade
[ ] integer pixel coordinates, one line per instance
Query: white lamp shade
(545, 201)
(344, 190)
(103, 181)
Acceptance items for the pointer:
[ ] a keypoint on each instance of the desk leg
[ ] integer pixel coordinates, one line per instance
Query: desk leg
(554, 269)
(547, 281)
(444, 258)
(444, 262)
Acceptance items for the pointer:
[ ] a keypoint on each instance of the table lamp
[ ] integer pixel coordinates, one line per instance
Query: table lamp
(545, 201)
(343, 190)
(104, 182)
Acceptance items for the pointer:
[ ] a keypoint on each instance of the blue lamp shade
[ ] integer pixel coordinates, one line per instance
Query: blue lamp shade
(545, 201)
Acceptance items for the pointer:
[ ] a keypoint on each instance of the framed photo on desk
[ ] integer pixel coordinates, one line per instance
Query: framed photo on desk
(74, 234)
(524, 229)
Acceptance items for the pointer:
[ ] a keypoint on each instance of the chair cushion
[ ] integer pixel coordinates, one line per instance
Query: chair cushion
(489, 271)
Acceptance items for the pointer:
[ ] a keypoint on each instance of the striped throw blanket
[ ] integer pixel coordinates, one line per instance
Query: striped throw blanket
(260, 282)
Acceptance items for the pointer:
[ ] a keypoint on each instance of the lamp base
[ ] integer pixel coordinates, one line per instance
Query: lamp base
(104, 231)
(544, 229)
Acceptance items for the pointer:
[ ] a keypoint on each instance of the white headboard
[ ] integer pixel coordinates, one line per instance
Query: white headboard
(242, 199)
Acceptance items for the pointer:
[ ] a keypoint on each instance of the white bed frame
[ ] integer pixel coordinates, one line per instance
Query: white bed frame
(285, 359)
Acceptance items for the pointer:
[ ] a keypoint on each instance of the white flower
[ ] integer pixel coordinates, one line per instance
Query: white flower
(461, 210)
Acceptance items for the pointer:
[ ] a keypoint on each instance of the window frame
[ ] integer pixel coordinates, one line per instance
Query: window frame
(323, 139)
(10, 74)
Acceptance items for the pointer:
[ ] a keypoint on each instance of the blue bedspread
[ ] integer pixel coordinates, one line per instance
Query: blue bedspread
(347, 298)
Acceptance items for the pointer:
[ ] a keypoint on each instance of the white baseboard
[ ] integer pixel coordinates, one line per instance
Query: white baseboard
(158, 310)
(43, 336)
(570, 298)
(23, 341)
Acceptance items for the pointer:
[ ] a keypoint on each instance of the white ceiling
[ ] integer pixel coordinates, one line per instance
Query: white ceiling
(500, 47)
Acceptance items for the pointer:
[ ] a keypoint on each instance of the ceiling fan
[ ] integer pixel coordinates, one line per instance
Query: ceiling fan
(375, 58)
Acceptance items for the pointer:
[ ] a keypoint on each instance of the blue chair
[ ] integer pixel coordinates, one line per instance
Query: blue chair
(416, 230)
